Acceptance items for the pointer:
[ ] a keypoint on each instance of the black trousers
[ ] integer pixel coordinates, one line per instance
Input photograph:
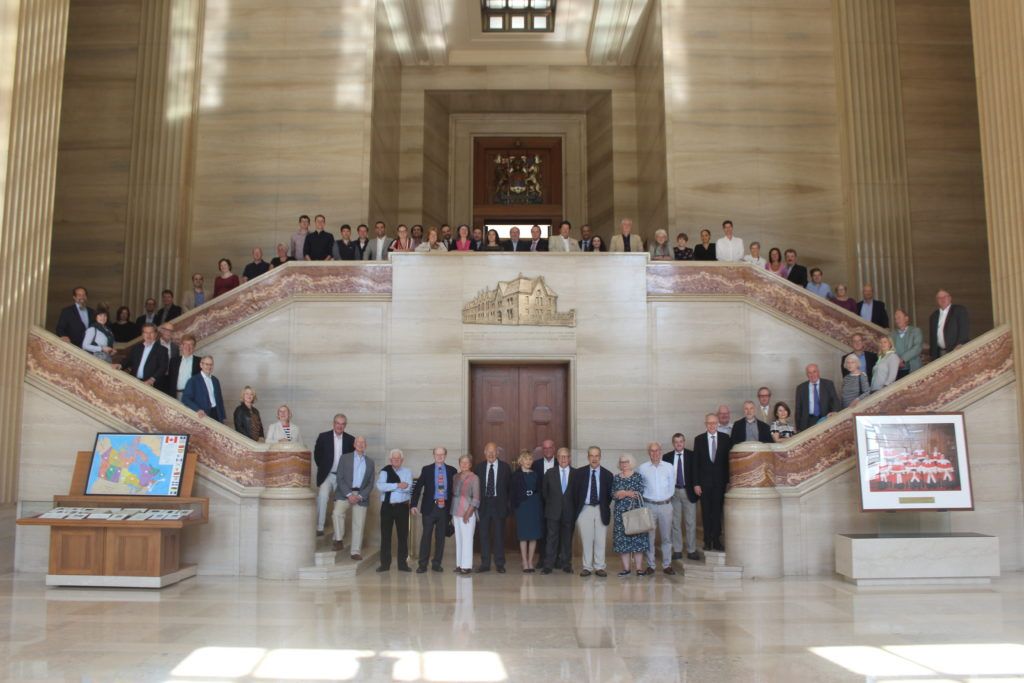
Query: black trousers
(394, 515)
(712, 507)
(559, 543)
(492, 534)
(434, 523)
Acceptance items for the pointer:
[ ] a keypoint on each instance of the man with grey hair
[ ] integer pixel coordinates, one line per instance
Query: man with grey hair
(395, 486)
(355, 481)
(725, 420)
(626, 240)
(592, 495)
(435, 483)
(749, 428)
(659, 487)
(327, 454)
(711, 471)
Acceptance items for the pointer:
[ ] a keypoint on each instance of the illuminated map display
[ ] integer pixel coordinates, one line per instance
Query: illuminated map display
(137, 464)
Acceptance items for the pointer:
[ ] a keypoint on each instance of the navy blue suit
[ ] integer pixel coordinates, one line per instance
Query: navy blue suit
(196, 397)
(435, 519)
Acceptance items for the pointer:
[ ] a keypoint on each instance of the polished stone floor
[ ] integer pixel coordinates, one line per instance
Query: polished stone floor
(516, 627)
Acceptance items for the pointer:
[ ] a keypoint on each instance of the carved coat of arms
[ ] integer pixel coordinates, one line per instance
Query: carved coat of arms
(517, 179)
(522, 301)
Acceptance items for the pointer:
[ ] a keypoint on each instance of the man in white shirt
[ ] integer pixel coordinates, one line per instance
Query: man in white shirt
(562, 242)
(330, 445)
(395, 486)
(729, 248)
(592, 495)
(724, 419)
(380, 244)
(182, 367)
(684, 500)
(659, 487)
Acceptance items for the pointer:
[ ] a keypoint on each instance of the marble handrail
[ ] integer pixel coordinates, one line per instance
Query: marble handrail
(295, 279)
(762, 289)
(74, 372)
(932, 388)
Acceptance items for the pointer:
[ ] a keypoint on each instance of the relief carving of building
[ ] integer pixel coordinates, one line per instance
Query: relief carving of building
(522, 301)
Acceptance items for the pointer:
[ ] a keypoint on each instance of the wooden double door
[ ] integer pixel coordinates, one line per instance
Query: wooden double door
(517, 406)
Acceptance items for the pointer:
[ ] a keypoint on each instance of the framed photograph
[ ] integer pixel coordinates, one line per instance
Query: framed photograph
(913, 462)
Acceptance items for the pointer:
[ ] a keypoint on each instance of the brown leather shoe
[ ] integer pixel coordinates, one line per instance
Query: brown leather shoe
(668, 570)
(338, 545)
(356, 556)
(600, 572)
(585, 572)
(648, 571)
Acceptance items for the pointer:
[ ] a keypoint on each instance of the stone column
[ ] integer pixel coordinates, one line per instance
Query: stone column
(753, 532)
(33, 34)
(160, 177)
(286, 541)
(998, 30)
(877, 200)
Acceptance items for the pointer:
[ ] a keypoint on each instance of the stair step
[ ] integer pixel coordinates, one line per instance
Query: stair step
(712, 567)
(330, 565)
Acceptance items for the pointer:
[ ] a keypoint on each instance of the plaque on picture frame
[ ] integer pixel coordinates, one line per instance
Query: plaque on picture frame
(913, 462)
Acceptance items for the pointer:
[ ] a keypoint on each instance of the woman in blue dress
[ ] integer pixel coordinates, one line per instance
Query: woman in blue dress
(525, 490)
(627, 492)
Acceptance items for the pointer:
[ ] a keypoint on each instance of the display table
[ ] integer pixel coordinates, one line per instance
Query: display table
(917, 558)
(105, 550)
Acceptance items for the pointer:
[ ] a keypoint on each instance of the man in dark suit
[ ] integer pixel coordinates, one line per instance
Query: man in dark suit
(871, 309)
(148, 360)
(513, 243)
(344, 247)
(948, 326)
(859, 349)
(559, 512)
(586, 238)
(177, 377)
(684, 500)
(495, 476)
(476, 242)
(446, 237)
(537, 243)
(541, 465)
(361, 244)
(711, 473)
(150, 313)
(76, 318)
(816, 398)
(749, 428)
(435, 483)
(327, 452)
(170, 310)
(202, 392)
(797, 273)
(592, 500)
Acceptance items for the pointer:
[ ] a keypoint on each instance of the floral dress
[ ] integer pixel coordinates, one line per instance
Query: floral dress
(620, 541)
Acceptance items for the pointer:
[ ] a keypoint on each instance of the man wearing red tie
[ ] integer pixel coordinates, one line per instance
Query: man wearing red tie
(712, 477)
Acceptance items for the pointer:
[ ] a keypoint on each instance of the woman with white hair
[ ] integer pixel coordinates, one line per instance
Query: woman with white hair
(660, 249)
(855, 384)
(465, 502)
(627, 492)
(284, 430)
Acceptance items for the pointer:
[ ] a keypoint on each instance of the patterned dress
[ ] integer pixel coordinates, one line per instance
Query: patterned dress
(620, 541)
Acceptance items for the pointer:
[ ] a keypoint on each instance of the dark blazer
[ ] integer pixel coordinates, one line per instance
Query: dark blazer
(362, 251)
(538, 465)
(870, 358)
(196, 397)
(955, 332)
(345, 252)
(171, 378)
(69, 324)
(323, 452)
(689, 474)
(141, 320)
(243, 418)
(521, 245)
(426, 484)
(557, 505)
(739, 431)
(579, 483)
(173, 312)
(829, 402)
(711, 475)
(156, 364)
(501, 485)
(879, 315)
(542, 244)
(476, 245)
(798, 275)
(518, 490)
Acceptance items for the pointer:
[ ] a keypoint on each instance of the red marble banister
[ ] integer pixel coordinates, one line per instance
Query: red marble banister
(74, 372)
(757, 285)
(930, 389)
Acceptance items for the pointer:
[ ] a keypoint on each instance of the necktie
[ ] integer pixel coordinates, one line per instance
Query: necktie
(680, 481)
(564, 481)
(713, 448)
(489, 490)
(440, 489)
(533, 246)
(817, 401)
(83, 315)
(593, 486)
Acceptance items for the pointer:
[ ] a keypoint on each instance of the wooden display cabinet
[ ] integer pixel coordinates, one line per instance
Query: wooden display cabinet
(120, 553)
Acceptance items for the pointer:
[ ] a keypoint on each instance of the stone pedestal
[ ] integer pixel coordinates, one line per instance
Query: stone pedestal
(753, 532)
(286, 539)
(906, 559)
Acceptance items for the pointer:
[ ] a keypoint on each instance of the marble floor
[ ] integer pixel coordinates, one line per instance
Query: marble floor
(516, 627)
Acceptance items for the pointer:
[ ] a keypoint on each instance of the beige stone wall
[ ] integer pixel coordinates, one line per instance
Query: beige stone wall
(652, 199)
(385, 131)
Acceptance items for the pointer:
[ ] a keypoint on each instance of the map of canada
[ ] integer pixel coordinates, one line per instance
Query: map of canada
(137, 464)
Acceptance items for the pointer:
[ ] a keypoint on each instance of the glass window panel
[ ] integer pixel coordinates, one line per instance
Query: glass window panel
(541, 4)
(496, 23)
(495, 4)
(540, 22)
(517, 22)
(518, 4)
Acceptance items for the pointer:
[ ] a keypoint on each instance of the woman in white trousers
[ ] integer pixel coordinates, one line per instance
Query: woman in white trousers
(465, 501)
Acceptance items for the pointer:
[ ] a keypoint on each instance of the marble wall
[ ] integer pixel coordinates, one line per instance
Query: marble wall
(600, 165)
(385, 126)
(751, 124)
(652, 197)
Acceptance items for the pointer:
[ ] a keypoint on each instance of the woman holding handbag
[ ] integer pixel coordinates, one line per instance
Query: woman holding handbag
(627, 492)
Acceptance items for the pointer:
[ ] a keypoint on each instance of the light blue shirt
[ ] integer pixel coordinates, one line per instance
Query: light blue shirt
(866, 308)
(209, 389)
(146, 350)
(358, 469)
(200, 298)
(83, 314)
(397, 495)
(822, 290)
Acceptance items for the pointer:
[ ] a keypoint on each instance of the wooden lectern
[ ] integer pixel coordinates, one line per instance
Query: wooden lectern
(120, 553)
